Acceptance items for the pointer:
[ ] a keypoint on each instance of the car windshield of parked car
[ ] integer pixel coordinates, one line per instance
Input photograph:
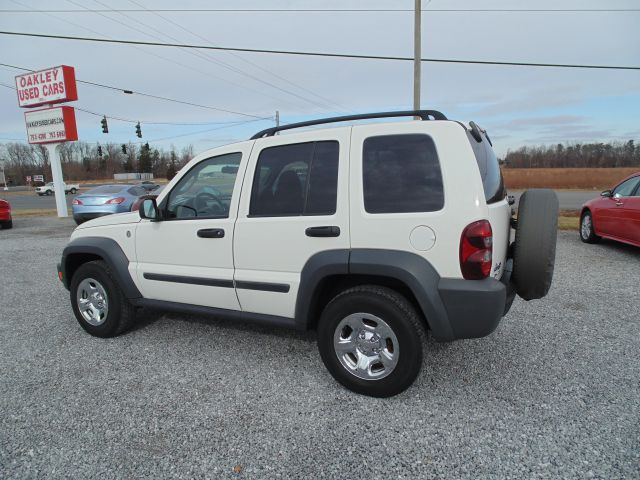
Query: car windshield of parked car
(626, 188)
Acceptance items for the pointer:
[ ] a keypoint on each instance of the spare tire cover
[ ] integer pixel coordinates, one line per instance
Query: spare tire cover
(534, 253)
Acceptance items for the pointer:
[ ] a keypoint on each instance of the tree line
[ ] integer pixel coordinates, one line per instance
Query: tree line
(82, 160)
(574, 155)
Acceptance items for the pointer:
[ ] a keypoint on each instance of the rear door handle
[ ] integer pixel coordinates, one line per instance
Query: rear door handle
(330, 231)
(619, 204)
(211, 233)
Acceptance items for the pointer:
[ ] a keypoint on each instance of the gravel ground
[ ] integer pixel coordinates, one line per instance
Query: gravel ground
(553, 393)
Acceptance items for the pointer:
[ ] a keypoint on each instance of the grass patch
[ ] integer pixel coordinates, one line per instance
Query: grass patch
(568, 223)
(36, 212)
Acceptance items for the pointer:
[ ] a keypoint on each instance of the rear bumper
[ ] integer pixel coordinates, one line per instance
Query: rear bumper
(83, 217)
(474, 307)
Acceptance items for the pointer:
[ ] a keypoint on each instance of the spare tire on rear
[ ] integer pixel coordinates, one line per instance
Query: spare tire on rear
(534, 253)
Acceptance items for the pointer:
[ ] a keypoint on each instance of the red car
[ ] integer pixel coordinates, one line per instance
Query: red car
(614, 215)
(5, 214)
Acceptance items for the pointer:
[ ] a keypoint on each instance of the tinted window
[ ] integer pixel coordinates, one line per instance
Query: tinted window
(105, 189)
(137, 191)
(492, 181)
(297, 179)
(625, 189)
(401, 173)
(205, 191)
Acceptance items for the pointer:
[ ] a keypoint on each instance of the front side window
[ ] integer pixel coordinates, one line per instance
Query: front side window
(205, 191)
(297, 179)
(401, 173)
(625, 189)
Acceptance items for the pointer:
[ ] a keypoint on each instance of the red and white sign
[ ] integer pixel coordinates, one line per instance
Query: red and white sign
(28, 178)
(38, 178)
(51, 125)
(53, 85)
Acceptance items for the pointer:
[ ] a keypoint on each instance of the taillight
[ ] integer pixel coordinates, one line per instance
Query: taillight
(116, 200)
(476, 246)
(76, 202)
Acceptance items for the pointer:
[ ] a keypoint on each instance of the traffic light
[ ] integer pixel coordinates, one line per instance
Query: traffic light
(138, 130)
(99, 151)
(124, 149)
(105, 127)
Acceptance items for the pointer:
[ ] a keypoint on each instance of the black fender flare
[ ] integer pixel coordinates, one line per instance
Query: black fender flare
(109, 251)
(412, 270)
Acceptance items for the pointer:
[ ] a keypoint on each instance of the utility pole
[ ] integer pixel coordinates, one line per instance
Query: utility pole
(277, 118)
(417, 54)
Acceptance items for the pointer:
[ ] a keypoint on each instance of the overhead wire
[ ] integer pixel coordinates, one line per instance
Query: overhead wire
(322, 54)
(149, 95)
(279, 77)
(225, 64)
(339, 10)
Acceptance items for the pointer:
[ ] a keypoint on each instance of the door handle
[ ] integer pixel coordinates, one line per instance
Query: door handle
(211, 233)
(330, 231)
(619, 204)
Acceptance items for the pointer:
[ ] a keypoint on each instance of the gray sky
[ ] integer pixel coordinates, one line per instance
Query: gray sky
(518, 105)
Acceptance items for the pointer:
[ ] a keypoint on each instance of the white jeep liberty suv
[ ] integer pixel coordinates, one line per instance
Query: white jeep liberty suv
(371, 234)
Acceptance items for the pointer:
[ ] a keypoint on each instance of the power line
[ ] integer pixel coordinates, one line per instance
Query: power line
(318, 54)
(203, 56)
(332, 10)
(157, 97)
(191, 32)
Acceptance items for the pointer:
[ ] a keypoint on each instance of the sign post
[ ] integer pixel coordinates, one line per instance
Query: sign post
(53, 125)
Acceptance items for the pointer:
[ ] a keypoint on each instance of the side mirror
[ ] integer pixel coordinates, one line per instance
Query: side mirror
(149, 210)
(606, 193)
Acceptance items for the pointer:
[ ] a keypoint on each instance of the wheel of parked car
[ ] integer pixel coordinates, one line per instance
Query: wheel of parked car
(7, 224)
(370, 339)
(73, 191)
(587, 232)
(535, 244)
(48, 192)
(98, 303)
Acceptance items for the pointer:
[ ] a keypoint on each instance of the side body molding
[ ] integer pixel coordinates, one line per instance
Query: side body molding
(105, 248)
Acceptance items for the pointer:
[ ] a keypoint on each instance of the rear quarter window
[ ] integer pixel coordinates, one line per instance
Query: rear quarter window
(401, 174)
(492, 182)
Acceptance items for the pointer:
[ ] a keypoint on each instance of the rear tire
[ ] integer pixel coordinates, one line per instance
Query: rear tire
(73, 191)
(370, 339)
(6, 225)
(535, 244)
(98, 303)
(587, 232)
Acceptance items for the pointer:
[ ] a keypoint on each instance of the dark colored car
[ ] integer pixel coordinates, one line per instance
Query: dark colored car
(5, 214)
(105, 200)
(615, 214)
(135, 206)
(148, 186)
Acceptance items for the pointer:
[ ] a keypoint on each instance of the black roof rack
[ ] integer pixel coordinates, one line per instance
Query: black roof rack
(423, 114)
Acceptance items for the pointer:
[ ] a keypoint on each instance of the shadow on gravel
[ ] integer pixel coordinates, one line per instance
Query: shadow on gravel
(146, 317)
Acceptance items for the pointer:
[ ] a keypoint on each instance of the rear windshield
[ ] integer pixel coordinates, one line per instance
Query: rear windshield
(105, 189)
(492, 181)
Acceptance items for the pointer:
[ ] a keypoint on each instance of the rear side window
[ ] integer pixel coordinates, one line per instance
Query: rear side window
(297, 179)
(401, 173)
(492, 181)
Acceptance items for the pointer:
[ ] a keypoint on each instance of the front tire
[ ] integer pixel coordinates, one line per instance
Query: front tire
(98, 303)
(370, 339)
(587, 232)
(73, 191)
